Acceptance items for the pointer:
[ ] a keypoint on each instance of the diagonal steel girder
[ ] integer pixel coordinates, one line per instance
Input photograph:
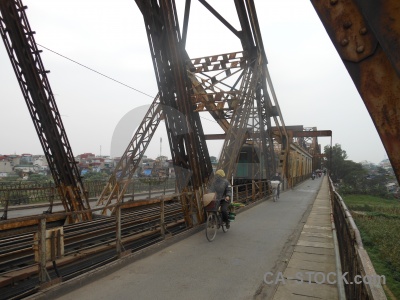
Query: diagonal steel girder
(366, 34)
(236, 134)
(184, 129)
(25, 58)
(114, 191)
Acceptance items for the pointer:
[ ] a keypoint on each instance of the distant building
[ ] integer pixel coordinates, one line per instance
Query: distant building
(40, 161)
(171, 172)
(14, 159)
(26, 159)
(25, 170)
(85, 157)
(385, 164)
(109, 163)
(5, 165)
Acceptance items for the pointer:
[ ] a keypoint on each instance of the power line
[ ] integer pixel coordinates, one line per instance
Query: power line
(108, 77)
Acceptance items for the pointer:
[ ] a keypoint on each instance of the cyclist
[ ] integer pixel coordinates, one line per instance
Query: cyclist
(277, 178)
(222, 188)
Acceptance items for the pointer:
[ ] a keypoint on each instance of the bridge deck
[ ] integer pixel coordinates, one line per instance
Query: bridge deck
(269, 238)
(313, 260)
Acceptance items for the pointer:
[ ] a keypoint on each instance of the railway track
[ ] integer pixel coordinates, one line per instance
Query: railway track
(91, 244)
(87, 246)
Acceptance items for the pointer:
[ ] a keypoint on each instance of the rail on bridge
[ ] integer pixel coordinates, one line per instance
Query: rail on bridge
(354, 258)
(141, 223)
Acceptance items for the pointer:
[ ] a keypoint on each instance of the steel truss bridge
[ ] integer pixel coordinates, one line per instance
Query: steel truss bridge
(234, 88)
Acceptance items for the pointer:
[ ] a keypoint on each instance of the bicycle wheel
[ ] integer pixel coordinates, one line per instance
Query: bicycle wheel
(211, 226)
(274, 194)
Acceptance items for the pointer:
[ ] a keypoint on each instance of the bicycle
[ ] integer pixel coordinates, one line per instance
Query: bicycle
(275, 189)
(214, 221)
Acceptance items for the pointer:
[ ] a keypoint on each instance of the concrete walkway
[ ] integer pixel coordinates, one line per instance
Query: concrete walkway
(313, 259)
(236, 265)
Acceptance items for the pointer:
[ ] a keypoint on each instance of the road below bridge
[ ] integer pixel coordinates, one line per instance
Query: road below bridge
(260, 240)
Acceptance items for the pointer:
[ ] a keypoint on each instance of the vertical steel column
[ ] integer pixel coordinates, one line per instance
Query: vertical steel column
(185, 134)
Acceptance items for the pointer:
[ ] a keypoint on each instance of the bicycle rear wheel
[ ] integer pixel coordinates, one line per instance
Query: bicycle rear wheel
(275, 194)
(211, 226)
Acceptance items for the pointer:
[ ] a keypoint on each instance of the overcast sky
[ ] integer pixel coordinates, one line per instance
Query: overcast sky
(312, 85)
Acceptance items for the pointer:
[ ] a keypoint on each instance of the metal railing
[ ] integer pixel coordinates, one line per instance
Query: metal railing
(22, 193)
(354, 258)
(161, 223)
(145, 218)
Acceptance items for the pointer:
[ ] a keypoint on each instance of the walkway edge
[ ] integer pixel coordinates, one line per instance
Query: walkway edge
(262, 292)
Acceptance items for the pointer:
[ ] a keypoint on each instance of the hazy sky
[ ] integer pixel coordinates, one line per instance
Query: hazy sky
(311, 82)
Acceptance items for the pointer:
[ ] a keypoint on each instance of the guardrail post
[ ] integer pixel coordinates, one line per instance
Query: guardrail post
(162, 217)
(132, 184)
(42, 250)
(237, 192)
(149, 189)
(118, 241)
(253, 190)
(7, 200)
(51, 200)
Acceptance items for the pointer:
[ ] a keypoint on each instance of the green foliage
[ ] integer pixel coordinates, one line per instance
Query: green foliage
(357, 180)
(335, 159)
(378, 220)
(353, 178)
(9, 178)
(95, 176)
(363, 187)
(37, 178)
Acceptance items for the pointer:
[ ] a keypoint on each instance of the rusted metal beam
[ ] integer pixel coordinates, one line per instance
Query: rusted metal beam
(25, 224)
(184, 129)
(366, 34)
(185, 22)
(24, 55)
(219, 17)
(383, 18)
(215, 136)
(316, 133)
(114, 191)
(289, 128)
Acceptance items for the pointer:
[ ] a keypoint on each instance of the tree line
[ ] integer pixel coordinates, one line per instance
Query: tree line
(354, 178)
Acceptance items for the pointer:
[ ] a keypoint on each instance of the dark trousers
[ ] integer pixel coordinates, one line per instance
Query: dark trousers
(224, 210)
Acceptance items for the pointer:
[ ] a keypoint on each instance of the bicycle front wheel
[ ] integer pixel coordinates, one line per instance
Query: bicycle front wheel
(211, 227)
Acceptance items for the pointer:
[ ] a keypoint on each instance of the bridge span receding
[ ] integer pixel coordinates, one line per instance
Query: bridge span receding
(235, 265)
